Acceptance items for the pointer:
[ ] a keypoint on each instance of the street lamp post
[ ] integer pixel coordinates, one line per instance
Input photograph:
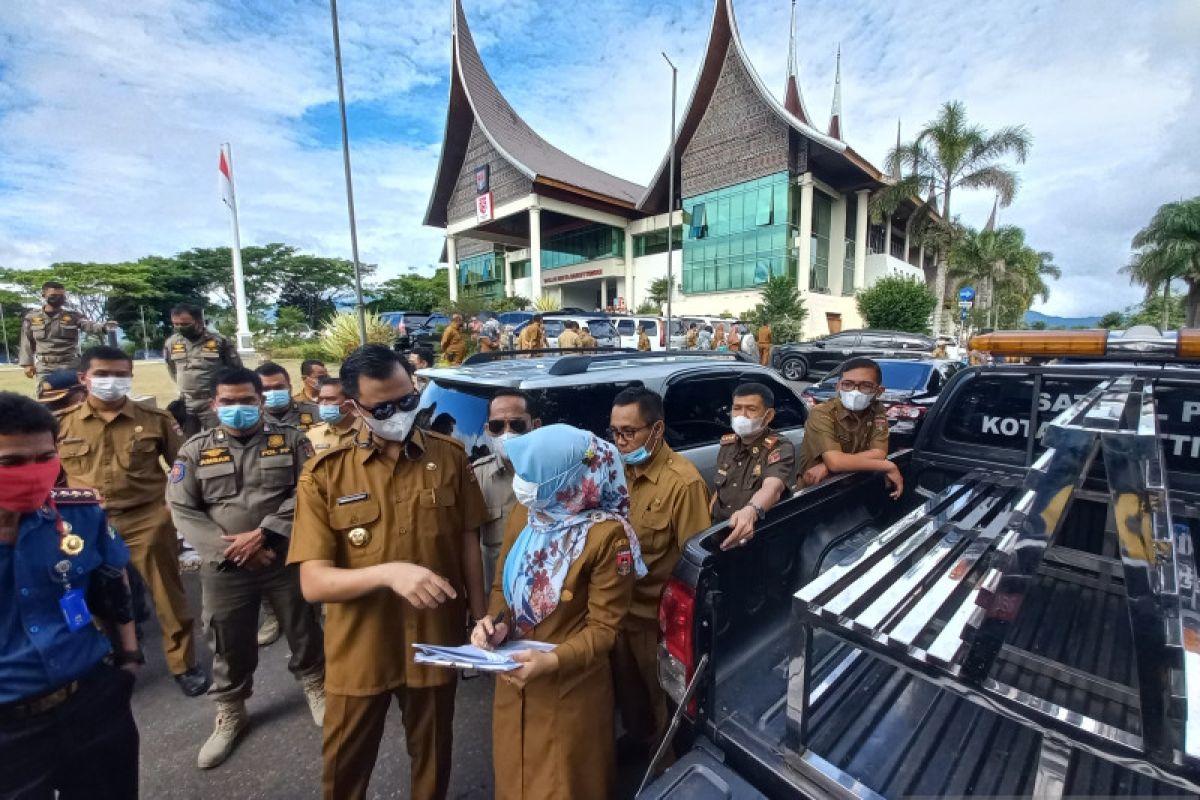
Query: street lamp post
(671, 203)
(358, 292)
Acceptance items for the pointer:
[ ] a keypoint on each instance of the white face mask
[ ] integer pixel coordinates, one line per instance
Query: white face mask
(109, 390)
(395, 428)
(745, 426)
(526, 492)
(855, 400)
(498, 444)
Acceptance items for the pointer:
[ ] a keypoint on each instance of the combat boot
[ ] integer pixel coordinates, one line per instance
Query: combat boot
(269, 631)
(314, 693)
(231, 722)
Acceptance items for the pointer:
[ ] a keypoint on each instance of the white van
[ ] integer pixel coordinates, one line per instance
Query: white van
(655, 327)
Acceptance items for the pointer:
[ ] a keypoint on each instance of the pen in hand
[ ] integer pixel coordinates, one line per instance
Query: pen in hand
(486, 632)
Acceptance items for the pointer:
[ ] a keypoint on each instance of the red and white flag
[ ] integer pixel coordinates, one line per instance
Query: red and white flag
(225, 181)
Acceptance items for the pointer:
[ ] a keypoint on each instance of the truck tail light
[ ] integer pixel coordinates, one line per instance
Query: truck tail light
(905, 411)
(676, 653)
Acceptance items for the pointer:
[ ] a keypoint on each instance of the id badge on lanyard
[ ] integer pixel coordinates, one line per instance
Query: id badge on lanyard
(73, 603)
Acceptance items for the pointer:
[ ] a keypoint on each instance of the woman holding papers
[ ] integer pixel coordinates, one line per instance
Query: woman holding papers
(569, 561)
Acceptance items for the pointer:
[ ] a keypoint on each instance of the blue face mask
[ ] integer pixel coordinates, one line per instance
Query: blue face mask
(276, 398)
(239, 417)
(330, 413)
(639, 456)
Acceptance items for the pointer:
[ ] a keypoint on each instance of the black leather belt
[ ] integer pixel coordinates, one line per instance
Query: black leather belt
(36, 706)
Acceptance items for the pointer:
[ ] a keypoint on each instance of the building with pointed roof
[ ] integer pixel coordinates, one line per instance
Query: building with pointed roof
(760, 192)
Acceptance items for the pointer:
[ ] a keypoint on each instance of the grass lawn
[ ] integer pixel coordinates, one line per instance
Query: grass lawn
(149, 378)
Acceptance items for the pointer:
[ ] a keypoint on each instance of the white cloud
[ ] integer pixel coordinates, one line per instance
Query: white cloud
(110, 120)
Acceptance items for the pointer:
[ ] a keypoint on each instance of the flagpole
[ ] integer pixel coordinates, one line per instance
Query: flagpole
(358, 292)
(244, 346)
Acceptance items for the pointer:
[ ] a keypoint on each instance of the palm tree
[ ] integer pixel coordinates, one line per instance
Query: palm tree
(1169, 249)
(949, 154)
(1010, 274)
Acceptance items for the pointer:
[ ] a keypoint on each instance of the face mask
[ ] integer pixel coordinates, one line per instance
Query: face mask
(497, 443)
(26, 487)
(526, 493)
(855, 400)
(239, 417)
(638, 456)
(745, 426)
(108, 390)
(277, 398)
(188, 331)
(393, 429)
(330, 413)
(55, 300)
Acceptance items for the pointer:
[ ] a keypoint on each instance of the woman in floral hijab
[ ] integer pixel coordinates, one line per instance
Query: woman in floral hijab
(569, 561)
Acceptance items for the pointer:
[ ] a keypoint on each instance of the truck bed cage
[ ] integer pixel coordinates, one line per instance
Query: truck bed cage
(576, 361)
(937, 593)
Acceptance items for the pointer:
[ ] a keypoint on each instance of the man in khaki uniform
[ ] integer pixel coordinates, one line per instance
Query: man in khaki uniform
(569, 338)
(586, 340)
(279, 405)
(339, 420)
(850, 432)
(754, 465)
(510, 414)
(668, 504)
(387, 536)
(533, 335)
(113, 445)
(50, 334)
(643, 344)
(232, 493)
(312, 372)
(454, 347)
(764, 345)
(194, 356)
(693, 337)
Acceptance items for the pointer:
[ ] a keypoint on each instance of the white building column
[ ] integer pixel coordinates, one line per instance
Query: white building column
(535, 252)
(804, 243)
(508, 277)
(837, 245)
(628, 290)
(887, 233)
(860, 240)
(907, 234)
(452, 262)
(603, 293)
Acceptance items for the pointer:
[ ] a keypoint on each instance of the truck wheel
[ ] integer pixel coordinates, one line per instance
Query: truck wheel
(794, 368)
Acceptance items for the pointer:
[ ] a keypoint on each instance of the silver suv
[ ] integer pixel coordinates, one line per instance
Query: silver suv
(578, 390)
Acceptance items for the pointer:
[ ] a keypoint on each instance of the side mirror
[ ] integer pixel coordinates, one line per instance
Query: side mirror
(819, 344)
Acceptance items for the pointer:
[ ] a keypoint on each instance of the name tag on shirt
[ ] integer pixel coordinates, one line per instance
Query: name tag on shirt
(351, 498)
(75, 610)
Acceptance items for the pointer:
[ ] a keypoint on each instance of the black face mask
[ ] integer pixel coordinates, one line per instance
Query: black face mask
(56, 300)
(188, 331)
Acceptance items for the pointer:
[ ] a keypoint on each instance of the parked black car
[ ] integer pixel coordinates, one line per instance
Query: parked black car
(797, 361)
(911, 387)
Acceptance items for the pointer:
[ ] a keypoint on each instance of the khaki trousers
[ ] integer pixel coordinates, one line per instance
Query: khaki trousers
(640, 699)
(150, 536)
(354, 726)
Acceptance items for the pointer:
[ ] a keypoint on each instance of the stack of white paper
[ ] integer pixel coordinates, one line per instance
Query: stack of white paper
(468, 656)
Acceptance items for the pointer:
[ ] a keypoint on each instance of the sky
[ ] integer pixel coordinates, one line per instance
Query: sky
(111, 115)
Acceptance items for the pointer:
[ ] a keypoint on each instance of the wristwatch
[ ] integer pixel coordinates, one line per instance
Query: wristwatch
(759, 511)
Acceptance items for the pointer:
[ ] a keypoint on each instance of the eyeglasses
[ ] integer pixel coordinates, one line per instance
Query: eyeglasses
(626, 434)
(867, 387)
(389, 409)
(517, 425)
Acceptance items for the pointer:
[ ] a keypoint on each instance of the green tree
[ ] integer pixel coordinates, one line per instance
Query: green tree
(950, 154)
(313, 284)
(515, 303)
(781, 308)
(13, 311)
(1113, 319)
(1151, 312)
(1040, 325)
(412, 293)
(657, 292)
(1008, 274)
(1167, 249)
(898, 304)
(213, 268)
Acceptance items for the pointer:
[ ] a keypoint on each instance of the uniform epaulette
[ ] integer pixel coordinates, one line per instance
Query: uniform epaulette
(62, 412)
(729, 438)
(64, 496)
(197, 436)
(317, 459)
(443, 437)
(771, 440)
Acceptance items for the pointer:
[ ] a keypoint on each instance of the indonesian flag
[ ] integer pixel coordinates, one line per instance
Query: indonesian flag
(225, 180)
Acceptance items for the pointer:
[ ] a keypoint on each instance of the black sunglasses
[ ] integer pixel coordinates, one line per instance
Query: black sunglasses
(389, 409)
(516, 425)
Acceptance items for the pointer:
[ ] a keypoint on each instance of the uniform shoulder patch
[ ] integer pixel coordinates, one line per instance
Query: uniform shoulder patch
(75, 497)
(624, 559)
(444, 438)
(314, 462)
(729, 438)
(771, 440)
(178, 472)
(775, 457)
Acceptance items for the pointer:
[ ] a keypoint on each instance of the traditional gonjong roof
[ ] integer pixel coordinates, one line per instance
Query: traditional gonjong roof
(835, 115)
(475, 98)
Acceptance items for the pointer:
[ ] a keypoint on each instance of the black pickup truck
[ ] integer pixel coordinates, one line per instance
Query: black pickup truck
(1022, 622)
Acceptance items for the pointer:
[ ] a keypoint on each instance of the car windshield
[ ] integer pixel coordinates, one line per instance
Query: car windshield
(601, 328)
(458, 411)
(898, 376)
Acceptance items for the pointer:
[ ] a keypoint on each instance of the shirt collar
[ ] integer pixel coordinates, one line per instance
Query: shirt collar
(366, 447)
(653, 468)
(125, 410)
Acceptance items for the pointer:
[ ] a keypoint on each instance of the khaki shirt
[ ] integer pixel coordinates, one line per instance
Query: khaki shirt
(221, 484)
(742, 467)
(193, 364)
(358, 509)
(453, 345)
(668, 504)
(326, 437)
(832, 426)
(643, 340)
(495, 481)
(50, 339)
(120, 458)
(307, 405)
(569, 338)
(587, 341)
(764, 337)
(693, 336)
(293, 415)
(532, 337)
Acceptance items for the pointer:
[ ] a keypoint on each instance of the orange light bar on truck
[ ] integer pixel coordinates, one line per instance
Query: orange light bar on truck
(1054, 344)
(1188, 345)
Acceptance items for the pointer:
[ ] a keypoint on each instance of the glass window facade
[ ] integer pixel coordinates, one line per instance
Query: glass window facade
(521, 269)
(582, 244)
(482, 275)
(648, 244)
(738, 236)
(818, 280)
(848, 264)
